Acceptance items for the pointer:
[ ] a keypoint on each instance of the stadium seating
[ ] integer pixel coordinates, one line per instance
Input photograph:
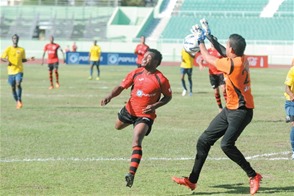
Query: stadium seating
(225, 15)
(69, 23)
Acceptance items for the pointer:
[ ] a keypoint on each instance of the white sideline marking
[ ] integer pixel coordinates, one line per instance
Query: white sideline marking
(255, 157)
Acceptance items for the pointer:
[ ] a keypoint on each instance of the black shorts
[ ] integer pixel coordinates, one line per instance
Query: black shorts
(216, 80)
(52, 66)
(126, 117)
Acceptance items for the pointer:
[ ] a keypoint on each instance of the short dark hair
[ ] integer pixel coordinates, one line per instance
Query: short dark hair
(15, 35)
(238, 43)
(157, 55)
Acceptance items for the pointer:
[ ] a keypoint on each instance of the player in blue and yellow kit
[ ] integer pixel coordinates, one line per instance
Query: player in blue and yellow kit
(186, 68)
(15, 56)
(94, 56)
(289, 104)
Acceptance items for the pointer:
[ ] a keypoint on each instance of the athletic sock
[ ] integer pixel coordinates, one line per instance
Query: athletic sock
(51, 78)
(14, 94)
(218, 100)
(292, 138)
(225, 95)
(184, 84)
(135, 159)
(57, 76)
(19, 92)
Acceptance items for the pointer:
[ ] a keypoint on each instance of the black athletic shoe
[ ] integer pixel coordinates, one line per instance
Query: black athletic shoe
(129, 179)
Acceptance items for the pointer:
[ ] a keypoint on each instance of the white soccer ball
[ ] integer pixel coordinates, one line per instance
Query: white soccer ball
(191, 44)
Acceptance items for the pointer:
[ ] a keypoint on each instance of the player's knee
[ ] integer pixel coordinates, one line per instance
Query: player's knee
(202, 142)
(226, 147)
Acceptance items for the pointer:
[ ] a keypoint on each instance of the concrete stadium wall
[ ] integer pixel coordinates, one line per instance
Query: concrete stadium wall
(277, 54)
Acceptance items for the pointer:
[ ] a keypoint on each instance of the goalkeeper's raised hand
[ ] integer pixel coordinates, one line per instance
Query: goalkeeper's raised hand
(198, 33)
(205, 26)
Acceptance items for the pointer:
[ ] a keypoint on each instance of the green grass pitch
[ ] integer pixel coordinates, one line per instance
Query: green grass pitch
(62, 142)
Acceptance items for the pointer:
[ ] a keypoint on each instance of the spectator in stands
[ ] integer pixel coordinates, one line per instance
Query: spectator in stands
(186, 68)
(94, 56)
(289, 103)
(216, 77)
(53, 61)
(74, 47)
(15, 56)
(150, 89)
(140, 51)
(67, 49)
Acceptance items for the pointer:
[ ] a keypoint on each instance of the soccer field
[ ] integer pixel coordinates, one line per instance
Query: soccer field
(62, 142)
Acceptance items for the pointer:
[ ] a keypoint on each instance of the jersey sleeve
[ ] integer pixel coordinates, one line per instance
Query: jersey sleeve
(45, 48)
(166, 90)
(5, 53)
(290, 78)
(128, 80)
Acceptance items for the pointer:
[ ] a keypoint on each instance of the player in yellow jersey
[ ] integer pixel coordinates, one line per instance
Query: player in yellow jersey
(94, 56)
(186, 68)
(289, 104)
(15, 56)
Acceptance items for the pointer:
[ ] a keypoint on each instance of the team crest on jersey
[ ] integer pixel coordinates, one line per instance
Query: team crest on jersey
(139, 93)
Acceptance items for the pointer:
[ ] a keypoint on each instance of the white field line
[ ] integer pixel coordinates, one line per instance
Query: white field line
(268, 156)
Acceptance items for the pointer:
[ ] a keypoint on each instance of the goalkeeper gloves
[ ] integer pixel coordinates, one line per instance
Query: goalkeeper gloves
(198, 33)
(205, 26)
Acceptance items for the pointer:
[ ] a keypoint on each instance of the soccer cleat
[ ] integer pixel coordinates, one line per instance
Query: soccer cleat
(293, 155)
(57, 85)
(19, 104)
(129, 179)
(205, 26)
(97, 78)
(51, 87)
(184, 92)
(90, 78)
(184, 181)
(255, 183)
(190, 94)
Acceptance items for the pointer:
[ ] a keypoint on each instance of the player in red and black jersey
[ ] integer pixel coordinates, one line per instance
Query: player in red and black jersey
(216, 77)
(53, 61)
(140, 51)
(148, 85)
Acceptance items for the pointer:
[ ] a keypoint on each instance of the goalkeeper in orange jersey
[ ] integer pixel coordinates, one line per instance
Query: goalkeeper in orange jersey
(238, 113)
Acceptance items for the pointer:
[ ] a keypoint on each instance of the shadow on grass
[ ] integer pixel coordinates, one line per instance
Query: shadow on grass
(233, 189)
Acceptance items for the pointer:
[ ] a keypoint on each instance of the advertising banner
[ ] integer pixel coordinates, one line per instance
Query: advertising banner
(107, 58)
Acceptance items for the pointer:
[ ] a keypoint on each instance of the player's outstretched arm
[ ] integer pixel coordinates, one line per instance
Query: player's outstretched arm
(220, 48)
(62, 55)
(213, 40)
(43, 58)
(206, 56)
(29, 59)
(4, 60)
(115, 92)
